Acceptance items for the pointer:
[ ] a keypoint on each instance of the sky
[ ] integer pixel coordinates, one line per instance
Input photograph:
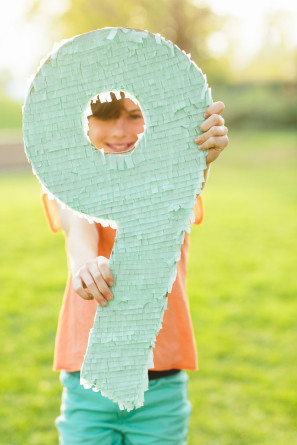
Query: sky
(248, 25)
(23, 45)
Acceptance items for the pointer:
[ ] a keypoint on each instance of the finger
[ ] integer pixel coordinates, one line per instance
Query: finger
(105, 270)
(215, 108)
(77, 285)
(95, 292)
(217, 130)
(99, 281)
(213, 120)
(218, 143)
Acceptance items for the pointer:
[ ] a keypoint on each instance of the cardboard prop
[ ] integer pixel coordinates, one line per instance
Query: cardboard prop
(148, 193)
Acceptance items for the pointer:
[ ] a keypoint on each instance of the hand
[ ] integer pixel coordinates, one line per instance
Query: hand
(214, 137)
(94, 275)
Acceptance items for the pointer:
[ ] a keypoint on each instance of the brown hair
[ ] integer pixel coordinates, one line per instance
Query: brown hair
(108, 110)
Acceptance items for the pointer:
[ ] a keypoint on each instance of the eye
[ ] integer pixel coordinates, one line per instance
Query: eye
(135, 116)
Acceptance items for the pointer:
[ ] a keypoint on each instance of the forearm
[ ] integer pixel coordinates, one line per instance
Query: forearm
(81, 238)
(81, 244)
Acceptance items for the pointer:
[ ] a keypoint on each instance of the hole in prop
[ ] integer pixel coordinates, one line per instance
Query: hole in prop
(114, 122)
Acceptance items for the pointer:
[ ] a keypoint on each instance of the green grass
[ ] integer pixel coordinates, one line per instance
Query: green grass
(10, 113)
(242, 289)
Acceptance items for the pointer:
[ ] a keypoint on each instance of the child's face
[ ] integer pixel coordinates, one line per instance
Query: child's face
(117, 135)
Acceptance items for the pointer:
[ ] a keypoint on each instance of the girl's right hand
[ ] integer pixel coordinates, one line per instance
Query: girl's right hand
(93, 279)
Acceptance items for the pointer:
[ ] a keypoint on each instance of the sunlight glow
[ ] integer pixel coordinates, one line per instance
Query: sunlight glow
(23, 43)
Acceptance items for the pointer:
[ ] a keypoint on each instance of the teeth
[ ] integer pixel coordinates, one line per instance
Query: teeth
(119, 146)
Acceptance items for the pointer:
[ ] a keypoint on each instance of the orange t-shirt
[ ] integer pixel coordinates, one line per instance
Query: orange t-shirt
(175, 344)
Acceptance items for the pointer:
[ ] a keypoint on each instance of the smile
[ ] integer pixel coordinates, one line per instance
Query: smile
(120, 147)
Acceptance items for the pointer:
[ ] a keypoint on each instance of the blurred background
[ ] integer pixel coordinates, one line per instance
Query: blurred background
(241, 273)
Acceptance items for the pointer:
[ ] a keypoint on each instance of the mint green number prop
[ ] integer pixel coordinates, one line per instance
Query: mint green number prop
(149, 192)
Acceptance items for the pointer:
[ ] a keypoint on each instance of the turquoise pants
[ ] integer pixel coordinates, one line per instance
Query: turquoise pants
(89, 418)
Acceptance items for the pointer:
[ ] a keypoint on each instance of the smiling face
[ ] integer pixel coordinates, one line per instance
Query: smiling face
(117, 134)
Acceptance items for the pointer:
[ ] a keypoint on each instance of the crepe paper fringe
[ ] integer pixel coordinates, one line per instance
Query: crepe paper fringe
(148, 193)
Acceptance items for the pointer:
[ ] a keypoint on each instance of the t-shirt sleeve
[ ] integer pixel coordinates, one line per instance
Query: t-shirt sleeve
(199, 210)
(51, 212)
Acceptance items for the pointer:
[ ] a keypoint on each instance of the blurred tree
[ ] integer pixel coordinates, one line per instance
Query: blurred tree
(276, 60)
(187, 23)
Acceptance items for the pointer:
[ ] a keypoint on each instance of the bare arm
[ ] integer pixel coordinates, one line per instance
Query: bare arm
(88, 270)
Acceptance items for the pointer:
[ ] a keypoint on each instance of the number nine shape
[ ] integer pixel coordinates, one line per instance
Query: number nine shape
(149, 192)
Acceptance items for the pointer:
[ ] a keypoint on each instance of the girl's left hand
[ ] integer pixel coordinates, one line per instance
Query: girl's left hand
(214, 137)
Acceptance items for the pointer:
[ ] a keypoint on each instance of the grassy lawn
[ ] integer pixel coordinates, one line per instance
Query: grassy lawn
(242, 289)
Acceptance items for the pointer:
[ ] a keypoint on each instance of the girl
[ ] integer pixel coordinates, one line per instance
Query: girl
(86, 416)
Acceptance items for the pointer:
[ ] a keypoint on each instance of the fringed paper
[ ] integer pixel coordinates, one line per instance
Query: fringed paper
(149, 192)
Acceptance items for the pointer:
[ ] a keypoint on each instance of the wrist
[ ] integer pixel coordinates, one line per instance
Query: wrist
(205, 173)
(75, 264)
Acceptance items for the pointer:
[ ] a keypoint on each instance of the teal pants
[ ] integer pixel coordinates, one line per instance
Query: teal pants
(89, 418)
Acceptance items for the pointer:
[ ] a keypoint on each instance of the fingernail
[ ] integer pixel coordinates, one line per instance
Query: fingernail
(109, 297)
(103, 303)
(199, 139)
(200, 147)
